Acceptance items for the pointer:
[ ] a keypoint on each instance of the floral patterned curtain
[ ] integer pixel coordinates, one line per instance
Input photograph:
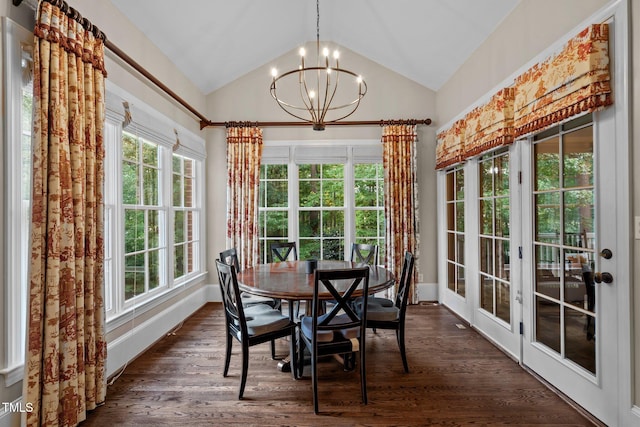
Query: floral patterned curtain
(244, 151)
(450, 148)
(400, 198)
(66, 347)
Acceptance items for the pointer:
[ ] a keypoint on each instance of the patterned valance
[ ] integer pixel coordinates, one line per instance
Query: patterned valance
(490, 125)
(574, 81)
(450, 148)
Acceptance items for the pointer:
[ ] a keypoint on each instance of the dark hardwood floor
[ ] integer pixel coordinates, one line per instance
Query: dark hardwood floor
(457, 378)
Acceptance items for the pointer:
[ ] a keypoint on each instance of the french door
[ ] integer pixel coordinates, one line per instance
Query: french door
(569, 252)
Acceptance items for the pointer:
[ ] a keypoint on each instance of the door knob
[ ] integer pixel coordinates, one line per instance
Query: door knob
(603, 277)
(606, 253)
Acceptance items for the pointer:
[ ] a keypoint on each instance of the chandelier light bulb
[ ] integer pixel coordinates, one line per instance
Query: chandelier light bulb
(325, 51)
(328, 70)
(274, 72)
(359, 79)
(312, 94)
(336, 54)
(302, 52)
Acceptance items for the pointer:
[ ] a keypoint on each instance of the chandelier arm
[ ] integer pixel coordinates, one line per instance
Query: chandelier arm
(309, 106)
(327, 106)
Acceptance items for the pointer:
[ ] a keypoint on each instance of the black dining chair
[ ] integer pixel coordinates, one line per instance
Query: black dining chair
(364, 253)
(282, 251)
(341, 330)
(230, 257)
(251, 325)
(386, 314)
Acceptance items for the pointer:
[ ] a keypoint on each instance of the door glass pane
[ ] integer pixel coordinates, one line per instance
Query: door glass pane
(486, 293)
(547, 166)
(548, 323)
(486, 216)
(486, 255)
(577, 158)
(579, 343)
(503, 301)
(548, 217)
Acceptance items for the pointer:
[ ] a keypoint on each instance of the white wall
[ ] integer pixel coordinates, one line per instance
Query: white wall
(389, 96)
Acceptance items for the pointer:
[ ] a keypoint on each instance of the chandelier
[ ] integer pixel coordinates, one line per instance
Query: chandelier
(312, 93)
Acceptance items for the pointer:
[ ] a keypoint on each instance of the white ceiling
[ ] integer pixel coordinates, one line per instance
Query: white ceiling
(213, 42)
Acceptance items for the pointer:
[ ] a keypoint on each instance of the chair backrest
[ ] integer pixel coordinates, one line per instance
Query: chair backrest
(402, 296)
(231, 300)
(280, 251)
(341, 284)
(362, 252)
(230, 257)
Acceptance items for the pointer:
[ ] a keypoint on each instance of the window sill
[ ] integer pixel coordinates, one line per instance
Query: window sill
(12, 375)
(128, 315)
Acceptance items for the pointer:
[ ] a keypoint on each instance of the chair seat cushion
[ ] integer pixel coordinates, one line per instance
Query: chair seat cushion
(306, 326)
(381, 313)
(266, 322)
(382, 301)
(250, 299)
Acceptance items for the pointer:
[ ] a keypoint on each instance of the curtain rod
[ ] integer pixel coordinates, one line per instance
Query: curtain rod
(204, 122)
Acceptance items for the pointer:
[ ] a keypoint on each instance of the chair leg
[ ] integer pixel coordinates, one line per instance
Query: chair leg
(273, 349)
(245, 368)
(363, 375)
(314, 382)
(293, 356)
(403, 352)
(227, 357)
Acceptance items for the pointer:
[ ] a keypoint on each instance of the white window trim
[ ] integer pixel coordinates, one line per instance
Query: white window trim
(151, 125)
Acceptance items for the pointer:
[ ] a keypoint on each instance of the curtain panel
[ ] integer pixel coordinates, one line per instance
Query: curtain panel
(66, 347)
(450, 147)
(400, 198)
(244, 152)
(490, 125)
(574, 81)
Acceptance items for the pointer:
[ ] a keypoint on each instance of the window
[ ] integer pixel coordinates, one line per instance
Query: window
(495, 291)
(17, 96)
(455, 231)
(323, 198)
(153, 207)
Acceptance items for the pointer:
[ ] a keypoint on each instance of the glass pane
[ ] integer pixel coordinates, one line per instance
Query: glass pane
(154, 269)
(451, 276)
(578, 217)
(190, 224)
(150, 154)
(503, 298)
(309, 224)
(333, 193)
(134, 272)
(460, 184)
(309, 193)
(451, 211)
(501, 173)
(486, 255)
(366, 224)
(277, 224)
(309, 249)
(177, 190)
(133, 230)
(276, 172)
(502, 216)
(548, 271)
(486, 293)
(365, 193)
(578, 158)
(502, 255)
(548, 323)
(333, 171)
(361, 171)
(333, 249)
(188, 191)
(150, 180)
(460, 216)
(192, 260)
(451, 246)
(579, 339)
(579, 289)
(130, 184)
(308, 171)
(460, 248)
(486, 178)
(462, 289)
(548, 217)
(179, 261)
(486, 216)
(153, 229)
(129, 147)
(178, 225)
(547, 164)
(176, 164)
(381, 226)
(277, 194)
(333, 223)
(450, 186)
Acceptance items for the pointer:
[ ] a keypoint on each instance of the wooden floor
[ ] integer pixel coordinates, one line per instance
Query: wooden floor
(457, 378)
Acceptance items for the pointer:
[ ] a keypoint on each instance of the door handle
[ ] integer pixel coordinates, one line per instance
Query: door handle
(603, 277)
(606, 253)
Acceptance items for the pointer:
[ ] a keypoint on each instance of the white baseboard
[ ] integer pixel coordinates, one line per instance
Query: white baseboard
(127, 347)
(427, 291)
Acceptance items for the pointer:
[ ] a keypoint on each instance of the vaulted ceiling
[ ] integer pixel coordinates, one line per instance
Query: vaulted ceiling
(214, 42)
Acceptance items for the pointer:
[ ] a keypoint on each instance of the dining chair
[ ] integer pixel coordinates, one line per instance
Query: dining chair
(386, 314)
(362, 252)
(230, 257)
(341, 330)
(281, 251)
(251, 325)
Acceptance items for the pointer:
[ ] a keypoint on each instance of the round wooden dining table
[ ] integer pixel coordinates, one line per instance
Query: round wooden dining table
(289, 280)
